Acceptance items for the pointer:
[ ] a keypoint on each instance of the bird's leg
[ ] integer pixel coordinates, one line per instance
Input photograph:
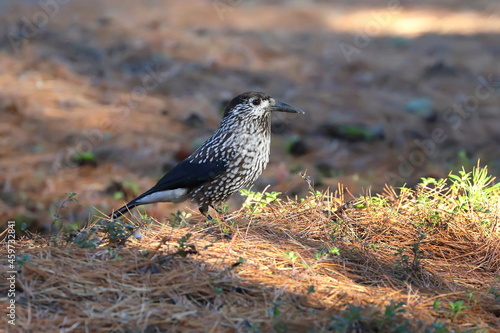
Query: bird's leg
(218, 210)
(225, 220)
(204, 211)
(222, 212)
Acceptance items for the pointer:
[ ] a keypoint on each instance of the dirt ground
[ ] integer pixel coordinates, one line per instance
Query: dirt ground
(393, 91)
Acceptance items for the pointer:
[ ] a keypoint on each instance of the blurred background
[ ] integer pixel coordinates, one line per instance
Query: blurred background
(102, 97)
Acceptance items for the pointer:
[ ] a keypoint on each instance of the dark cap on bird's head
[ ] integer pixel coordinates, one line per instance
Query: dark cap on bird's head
(258, 100)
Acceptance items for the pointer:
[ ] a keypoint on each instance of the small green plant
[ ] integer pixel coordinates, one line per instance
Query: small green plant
(112, 231)
(330, 251)
(413, 264)
(359, 205)
(252, 327)
(334, 251)
(238, 262)
(494, 291)
(217, 290)
(183, 241)
(403, 259)
(375, 202)
(183, 248)
(356, 132)
(471, 299)
(434, 218)
(21, 260)
(256, 201)
(59, 219)
(352, 319)
(436, 305)
(438, 327)
(389, 321)
(292, 256)
(119, 195)
(336, 225)
(124, 187)
(474, 190)
(442, 327)
(179, 218)
(116, 232)
(320, 255)
(113, 253)
(456, 309)
(86, 238)
(348, 321)
(226, 225)
(429, 182)
(276, 314)
(311, 290)
(146, 220)
(223, 209)
(84, 158)
(225, 229)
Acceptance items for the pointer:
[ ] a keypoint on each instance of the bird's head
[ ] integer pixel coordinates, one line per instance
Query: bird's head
(255, 105)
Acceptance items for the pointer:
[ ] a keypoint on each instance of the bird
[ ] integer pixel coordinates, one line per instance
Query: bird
(230, 160)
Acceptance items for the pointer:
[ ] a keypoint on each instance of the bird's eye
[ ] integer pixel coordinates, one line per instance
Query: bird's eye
(256, 101)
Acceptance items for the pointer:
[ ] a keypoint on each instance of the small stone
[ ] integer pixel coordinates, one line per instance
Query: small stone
(353, 132)
(296, 146)
(440, 68)
(422, 107)
(400, 42)
(327, 170)
(114, 187)
(104, 21)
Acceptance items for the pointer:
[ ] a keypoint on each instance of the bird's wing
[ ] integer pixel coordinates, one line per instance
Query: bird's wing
(187, 175)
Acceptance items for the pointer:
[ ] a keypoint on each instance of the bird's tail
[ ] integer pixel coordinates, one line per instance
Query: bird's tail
(123, 210)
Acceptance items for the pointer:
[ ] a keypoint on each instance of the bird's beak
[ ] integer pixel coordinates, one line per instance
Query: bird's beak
(283, 107)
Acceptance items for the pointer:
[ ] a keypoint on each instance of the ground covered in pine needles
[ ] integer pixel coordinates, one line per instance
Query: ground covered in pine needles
(411, 260)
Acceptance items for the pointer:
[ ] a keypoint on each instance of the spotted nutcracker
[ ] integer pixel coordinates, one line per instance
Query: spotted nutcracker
(231, 159)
